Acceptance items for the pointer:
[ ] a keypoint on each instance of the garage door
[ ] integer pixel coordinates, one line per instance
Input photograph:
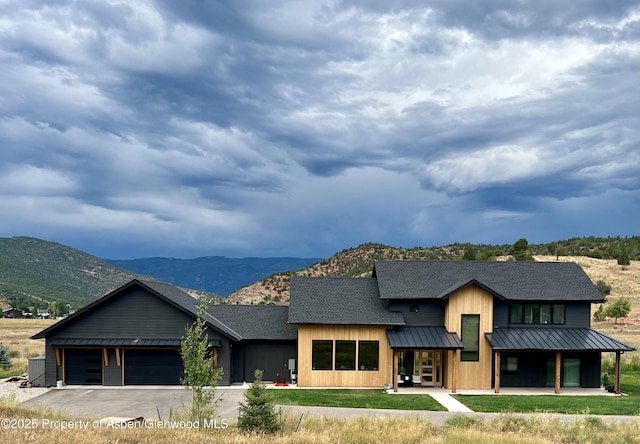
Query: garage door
(83, 366)
(152, 367)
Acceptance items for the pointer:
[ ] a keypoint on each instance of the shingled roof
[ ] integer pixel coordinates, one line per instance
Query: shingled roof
(536, 281)
(339, 301)
(256, 321)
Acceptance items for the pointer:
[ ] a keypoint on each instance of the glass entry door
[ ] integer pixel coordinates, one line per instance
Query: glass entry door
(428, 366)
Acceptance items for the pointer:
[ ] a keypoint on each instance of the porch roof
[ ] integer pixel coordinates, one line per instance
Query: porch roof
(553, 339)
(423, 337)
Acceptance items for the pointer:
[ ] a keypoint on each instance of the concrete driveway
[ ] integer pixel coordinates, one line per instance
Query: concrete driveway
(153, 402)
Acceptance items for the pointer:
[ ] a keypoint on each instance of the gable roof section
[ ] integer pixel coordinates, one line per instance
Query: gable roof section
(535, 281)
(167, 292)
(339, 301)
(256, 321)
(553, 339)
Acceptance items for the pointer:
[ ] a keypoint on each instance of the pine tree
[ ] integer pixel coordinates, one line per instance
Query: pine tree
(257, 411)
(5, 359)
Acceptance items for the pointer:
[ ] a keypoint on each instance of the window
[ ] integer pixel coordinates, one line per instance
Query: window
(516, 313)
(470, 337)
(558, 314)
(368, 355)
(345, 355)
(509, 365)
(536, 314)
(321, 355)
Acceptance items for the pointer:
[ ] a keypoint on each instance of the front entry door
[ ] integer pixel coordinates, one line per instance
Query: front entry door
(428, 365)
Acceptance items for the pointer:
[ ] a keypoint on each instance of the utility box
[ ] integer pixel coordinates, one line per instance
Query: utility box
(37, 371)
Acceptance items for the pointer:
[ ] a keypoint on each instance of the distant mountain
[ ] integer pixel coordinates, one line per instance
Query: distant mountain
(358, 261)
(218, 274)
(34, 273)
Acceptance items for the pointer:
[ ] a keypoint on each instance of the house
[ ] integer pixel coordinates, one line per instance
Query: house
(132, 336)
(12, 313)
(454, 324)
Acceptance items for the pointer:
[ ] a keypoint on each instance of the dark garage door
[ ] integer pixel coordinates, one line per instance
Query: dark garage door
(152, 367)
(83, 366)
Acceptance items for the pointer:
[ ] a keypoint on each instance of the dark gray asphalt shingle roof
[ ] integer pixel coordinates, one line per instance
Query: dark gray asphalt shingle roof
(256, 321)
(339, 301)
(548, 281)
(423, 337)
(553, 339)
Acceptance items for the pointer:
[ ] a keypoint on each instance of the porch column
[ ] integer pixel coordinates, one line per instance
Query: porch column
(616, 383)
(395, 370)
(558, 372)
(497, 372)
(454, 371)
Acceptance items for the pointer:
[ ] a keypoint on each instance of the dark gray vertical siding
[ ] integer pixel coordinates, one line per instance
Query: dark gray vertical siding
(269, 356)
(134, 314)
(112, 373)
(532, 369)
(500, 313)
(224, 361)
(577, 314)
(54, 373)
(237, 357)
(430, 313)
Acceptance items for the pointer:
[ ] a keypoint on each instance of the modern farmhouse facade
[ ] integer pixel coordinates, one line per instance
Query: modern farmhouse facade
(454, 324)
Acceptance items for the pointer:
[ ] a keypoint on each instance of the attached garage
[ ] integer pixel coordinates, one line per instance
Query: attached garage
(152, 367)
(83, 366)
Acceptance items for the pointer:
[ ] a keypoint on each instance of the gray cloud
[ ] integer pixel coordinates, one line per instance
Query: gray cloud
(241, 128)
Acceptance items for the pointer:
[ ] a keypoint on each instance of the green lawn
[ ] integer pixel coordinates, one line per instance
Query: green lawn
(595, 405)
(367, 399)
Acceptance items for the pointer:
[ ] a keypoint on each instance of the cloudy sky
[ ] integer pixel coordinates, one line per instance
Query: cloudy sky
(267, 128)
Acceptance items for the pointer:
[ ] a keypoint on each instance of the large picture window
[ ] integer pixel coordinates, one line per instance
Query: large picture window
(470, 337)
(368, 354)
(322, 355)
(345, 355)
(537, 314)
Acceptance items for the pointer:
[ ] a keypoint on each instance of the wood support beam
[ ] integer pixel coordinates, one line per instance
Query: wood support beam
(215, 356)
(395, 370)
(454, 371)
(105, 355)
(558, 362)
(616, 383)
(118, 357)
(58, 357)
(497, 379)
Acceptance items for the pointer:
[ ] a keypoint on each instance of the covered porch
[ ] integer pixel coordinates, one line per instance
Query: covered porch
(543, 357)
(420, 356)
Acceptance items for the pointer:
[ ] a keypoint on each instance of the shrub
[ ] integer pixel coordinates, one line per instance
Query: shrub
(257, 411)
(5, 359)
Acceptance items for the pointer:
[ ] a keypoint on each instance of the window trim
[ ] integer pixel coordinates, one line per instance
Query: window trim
(377, 360)
(313, 354)
(466, 354)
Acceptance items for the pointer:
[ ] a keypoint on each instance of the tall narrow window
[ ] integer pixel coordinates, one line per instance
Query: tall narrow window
(558, 314)
(545, 314)
(470, 337)
(345, 355)
(321, 355)
(368, 352)
(516, 313)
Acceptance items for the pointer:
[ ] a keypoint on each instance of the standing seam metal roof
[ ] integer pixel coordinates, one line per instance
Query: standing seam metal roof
(553, 339)
(423, 337)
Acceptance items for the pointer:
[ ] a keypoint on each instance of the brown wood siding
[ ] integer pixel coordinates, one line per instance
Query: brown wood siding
(471, 300)
(343, 378)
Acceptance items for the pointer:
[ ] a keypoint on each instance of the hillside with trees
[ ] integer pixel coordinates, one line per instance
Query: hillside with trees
(599, 257)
